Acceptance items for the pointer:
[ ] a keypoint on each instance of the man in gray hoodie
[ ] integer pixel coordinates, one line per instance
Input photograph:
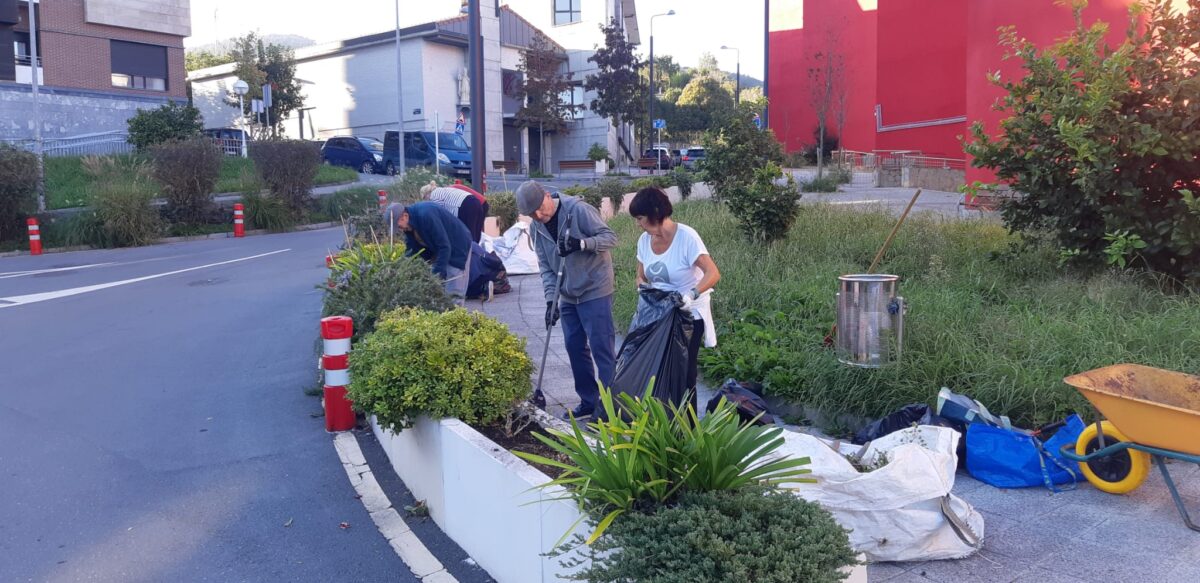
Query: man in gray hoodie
(568, 230)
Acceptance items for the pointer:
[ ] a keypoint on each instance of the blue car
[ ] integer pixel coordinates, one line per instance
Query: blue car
(447, 151)
(362, 154)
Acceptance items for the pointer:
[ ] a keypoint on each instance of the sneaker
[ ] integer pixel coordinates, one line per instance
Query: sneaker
(579, 413)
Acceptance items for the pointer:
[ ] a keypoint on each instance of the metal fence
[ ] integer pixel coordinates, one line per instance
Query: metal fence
(105, 143)
(869, 161)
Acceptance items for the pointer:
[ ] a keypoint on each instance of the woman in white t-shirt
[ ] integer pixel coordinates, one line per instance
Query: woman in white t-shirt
(672, 257)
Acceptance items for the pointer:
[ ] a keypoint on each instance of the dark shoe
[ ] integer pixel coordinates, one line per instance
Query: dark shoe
(579, 413)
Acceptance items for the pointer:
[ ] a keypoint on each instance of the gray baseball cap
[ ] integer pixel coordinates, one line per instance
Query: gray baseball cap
(529, 197)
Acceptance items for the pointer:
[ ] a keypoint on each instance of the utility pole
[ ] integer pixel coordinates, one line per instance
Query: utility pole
(475, 72)
(737, 93)
(766, 62)
(35, 65)
(650, 107)
(399, 100)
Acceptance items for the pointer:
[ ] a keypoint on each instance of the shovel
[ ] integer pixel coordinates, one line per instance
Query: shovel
(539, 398)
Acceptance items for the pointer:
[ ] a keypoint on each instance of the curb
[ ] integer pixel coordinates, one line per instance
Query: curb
(253, 233)
(391, 525)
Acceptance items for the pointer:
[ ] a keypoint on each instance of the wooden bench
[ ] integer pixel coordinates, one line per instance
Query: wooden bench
(507, 165)
(578, 165)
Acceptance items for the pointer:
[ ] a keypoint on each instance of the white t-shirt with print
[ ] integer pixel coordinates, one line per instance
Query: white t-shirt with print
(675, 270)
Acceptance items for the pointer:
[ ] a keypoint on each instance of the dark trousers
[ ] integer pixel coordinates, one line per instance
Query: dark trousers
(694, 359)
(472, 214)
(590, 338)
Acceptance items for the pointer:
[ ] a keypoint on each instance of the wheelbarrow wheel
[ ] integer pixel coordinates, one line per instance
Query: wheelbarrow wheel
(1119, 473)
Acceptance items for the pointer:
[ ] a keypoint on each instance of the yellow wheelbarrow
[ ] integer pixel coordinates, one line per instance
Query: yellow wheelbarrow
(1150, 414)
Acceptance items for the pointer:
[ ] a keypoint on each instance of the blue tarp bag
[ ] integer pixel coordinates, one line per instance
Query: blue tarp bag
(1010, 458)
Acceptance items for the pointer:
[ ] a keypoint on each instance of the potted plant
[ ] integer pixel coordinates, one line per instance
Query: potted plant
(599, 155)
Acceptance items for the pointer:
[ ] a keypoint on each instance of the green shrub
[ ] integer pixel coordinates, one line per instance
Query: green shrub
(645, 454)
(683, 179)
(440, 364)
(188, 170)
(798, 159)
(764, 210)
(172, 121)
(991, 314)
(123, 192)
(586, 194)
(734, 151)
(664, 182)
(348, 202)
(267, 211)
(287, 168)
(352, 262)
(841, 174)
(503, 206)
(328, 174)
(407, 189)
(84, 228)
(746, 535)
(613, 189)
(597, 153)
(826, 183)
(382, 285)
(18, 191)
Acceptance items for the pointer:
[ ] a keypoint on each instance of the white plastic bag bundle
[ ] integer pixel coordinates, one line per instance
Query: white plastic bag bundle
(901, 511)
(515, 249)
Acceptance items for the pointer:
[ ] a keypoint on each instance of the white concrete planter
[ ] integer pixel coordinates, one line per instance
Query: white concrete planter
(601, 166)
(485, 499)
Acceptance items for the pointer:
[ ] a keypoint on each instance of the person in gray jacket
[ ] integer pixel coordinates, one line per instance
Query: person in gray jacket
(566, 229)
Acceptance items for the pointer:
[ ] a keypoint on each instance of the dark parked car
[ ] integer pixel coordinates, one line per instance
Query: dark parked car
(693, 158)
(446, 151)
(659, 158)
(229, 139)
(362, 154)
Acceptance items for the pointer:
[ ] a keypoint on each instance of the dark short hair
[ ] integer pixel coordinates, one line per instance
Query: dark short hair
(651, 202)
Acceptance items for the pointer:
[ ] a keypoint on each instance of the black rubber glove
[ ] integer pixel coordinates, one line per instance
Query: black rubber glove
(551, 314)
(569, 245)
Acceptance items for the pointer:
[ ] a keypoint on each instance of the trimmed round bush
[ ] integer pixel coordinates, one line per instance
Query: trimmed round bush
(448, 364)
(747, 535)
(369, 283)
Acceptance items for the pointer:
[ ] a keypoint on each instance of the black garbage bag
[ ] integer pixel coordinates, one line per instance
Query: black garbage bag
(656, 348)
(747, 397)
(905, 417)
(485, 267)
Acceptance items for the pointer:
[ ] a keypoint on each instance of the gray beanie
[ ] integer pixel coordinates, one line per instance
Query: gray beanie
(529, 197)
(393, 212)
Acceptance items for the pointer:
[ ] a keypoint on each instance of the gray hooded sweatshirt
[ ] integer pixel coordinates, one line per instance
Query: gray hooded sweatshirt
(589, 272)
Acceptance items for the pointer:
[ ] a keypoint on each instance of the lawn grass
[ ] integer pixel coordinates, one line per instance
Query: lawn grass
(68, 186)
(1004, 330)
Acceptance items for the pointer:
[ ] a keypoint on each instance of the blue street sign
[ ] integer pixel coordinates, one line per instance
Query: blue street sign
(757, 121)
(660, 124)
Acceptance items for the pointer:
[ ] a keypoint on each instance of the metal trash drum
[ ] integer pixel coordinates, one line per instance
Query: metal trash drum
(870, 320)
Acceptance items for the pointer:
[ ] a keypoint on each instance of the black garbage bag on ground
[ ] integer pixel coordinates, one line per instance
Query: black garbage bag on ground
(905, 417)
(485, 267)
(656, 348)
(747, 397)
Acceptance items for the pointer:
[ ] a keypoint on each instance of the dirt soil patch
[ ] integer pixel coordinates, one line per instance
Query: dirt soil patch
(524, 441)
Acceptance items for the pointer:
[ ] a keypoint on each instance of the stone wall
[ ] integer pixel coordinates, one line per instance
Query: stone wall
(943, 179)
(67, 112)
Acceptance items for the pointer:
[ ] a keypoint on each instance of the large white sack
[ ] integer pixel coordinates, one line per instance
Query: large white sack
(515, 249)
(897, 512)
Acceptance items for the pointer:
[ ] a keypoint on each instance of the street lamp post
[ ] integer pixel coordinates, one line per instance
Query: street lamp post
(657, 154)
(399, 100)
(737, 96)
(35, 64)
(240, 88)
(766, 117)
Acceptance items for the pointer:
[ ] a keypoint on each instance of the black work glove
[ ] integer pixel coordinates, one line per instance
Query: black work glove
(551, 314)
(569, 245)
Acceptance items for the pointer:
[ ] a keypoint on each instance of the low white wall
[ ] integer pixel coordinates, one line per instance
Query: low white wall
(483, 497)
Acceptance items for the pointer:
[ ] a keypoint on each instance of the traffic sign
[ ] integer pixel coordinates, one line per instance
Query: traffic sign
(660, 124)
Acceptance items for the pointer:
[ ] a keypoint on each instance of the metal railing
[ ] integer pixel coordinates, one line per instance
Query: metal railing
(868, 161)
(911, 161)
(103, 144)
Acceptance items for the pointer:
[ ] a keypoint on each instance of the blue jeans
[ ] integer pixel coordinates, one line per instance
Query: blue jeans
(590, 334)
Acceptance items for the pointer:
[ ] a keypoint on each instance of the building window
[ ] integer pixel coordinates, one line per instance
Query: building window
(566, 11)
(574, 96)
(139, 66)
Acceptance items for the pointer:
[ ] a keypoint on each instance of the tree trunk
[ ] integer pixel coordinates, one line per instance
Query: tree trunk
(542, 146)
(820, 149)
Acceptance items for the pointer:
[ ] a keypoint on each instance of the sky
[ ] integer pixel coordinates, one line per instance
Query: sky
(698, 26)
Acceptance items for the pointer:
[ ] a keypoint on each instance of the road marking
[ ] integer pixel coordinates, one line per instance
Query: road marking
(13, 301)
(9, 274)
(408, 547)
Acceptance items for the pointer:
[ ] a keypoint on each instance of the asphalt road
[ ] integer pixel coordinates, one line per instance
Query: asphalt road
(157, 430)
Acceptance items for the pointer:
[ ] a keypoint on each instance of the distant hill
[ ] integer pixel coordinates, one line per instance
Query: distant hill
(291, 41)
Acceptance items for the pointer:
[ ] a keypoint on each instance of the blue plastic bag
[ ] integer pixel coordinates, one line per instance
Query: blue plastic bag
(1008, 458)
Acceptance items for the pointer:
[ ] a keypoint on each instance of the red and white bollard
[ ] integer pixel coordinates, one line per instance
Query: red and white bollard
(239, 220)
(336, 332)
(35, 236)
(382, 199)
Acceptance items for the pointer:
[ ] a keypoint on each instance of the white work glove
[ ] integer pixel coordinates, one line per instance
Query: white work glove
(688, 298)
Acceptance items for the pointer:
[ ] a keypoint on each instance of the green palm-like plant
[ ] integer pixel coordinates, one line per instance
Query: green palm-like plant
(644, 453)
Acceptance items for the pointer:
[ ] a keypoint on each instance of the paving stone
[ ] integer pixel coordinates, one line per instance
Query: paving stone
(1039, 575)
(878, 572)
(982, 567)
(1114, 560)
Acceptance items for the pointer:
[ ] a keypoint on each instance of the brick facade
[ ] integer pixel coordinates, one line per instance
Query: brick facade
(75, 53)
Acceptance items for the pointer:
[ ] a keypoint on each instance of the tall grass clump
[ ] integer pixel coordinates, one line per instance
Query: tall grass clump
(990, 314)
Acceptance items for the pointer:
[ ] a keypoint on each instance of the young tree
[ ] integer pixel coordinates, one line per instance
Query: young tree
(1102, 141)
(541, 88)
(826, 82)
(620, 92)
(195, 60)
(258, 64)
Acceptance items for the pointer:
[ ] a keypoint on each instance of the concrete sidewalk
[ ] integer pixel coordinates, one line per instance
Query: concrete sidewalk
(1031, 535)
